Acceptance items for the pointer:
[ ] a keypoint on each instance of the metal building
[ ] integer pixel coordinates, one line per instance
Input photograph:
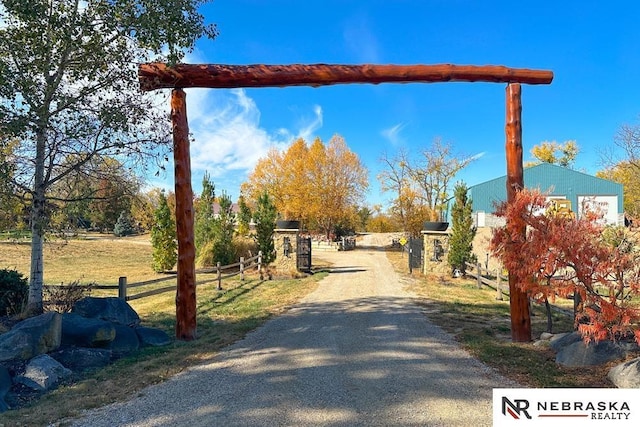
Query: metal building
(582, 191)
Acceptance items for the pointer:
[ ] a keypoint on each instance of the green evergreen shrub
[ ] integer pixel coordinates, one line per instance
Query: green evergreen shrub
(462, 231)
(14, 291)
(123, 226)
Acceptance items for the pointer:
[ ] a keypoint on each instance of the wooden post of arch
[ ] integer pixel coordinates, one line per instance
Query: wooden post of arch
(518, 300)
(186, 287)
(154, 76)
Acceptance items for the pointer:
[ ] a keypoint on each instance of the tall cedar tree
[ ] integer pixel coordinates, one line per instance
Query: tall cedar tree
(265, 218)
(163, 237)
(462, 230)
(223, 230)
(599, 264)
(244, 217)
(69, 86)
(203, 222)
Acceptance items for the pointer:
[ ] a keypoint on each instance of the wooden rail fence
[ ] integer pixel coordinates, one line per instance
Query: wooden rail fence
(123, 286)
(492, 278)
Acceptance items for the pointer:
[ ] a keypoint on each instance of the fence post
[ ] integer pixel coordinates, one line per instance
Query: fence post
(479, 267)
(242, 268)
(498, 285)
(122, 288)
(260, 265)
(219, 276)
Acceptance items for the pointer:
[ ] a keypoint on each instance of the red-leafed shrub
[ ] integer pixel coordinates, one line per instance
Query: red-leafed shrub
(560, 255)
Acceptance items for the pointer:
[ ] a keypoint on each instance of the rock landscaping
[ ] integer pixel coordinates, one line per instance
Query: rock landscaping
(571, 351)
(42, 352)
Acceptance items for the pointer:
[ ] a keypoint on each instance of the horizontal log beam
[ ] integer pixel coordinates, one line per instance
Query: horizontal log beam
(154, 76)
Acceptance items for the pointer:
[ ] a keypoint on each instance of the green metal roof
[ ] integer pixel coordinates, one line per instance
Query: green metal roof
(550, 179)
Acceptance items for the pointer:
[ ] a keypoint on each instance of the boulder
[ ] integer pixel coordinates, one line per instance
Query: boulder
(592, 354)
(5, 385)
(152, 336)
(111, 309)
(126, 340)
(43, 373)
(84, 332)
(32, 337)
(559, 341)
(626, 375)
(80, 358)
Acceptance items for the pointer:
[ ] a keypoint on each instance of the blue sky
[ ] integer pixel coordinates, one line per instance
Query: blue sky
(591, 46)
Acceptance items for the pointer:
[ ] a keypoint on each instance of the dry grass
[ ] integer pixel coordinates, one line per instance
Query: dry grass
(222, 318)
(482, 325)
(97, 258)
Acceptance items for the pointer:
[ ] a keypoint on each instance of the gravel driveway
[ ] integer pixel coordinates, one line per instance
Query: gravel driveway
(356, 352)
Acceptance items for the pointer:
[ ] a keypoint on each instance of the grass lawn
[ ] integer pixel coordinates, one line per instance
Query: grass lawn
(482, 325)
(222, 318)
(94, 258)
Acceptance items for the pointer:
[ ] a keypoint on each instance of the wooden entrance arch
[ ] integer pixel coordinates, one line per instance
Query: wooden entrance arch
(154, 76)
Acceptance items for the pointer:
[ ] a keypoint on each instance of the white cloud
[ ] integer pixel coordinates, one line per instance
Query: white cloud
(227, 133)
(360, 40)
(393, 134)
(308, 129)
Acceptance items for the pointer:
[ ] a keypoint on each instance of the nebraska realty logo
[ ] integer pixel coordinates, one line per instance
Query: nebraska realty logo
(566, 407)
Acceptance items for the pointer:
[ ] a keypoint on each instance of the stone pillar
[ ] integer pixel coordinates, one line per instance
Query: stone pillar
(436, 251)
(286, 238)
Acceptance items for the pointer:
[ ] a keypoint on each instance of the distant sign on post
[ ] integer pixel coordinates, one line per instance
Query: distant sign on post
(403, 240)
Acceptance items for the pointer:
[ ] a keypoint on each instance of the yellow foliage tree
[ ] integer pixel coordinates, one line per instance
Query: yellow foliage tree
(555, 153)
(321, 185)
(626, 174)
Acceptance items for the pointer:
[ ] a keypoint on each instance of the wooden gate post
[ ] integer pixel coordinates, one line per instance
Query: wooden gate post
(186, 289)
(498, 285)
(518, 300)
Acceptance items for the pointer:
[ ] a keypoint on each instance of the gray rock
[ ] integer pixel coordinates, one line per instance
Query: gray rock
(126, 340)
(80, 358)
(43, 373)
(562, 340)
(152, 336)
(32, 337)
(546, 336)
(112, 309)
(593, 354)
(5, 385)
(84, 332)
(626, 375)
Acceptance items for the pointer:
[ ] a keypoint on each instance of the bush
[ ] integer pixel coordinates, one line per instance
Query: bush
(240, 247)
(62, 298)
(14, 291)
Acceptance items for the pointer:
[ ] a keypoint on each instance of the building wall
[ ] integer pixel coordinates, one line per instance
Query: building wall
(557, 182)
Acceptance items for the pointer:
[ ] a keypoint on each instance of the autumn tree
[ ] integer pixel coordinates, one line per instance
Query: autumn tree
(622, 164)
(433, 172)
(317, 184)
(395, 178)
(462, 230)
(69, 85)
(94, 193)
(600, 270)
(626, 174)
(163, 237)
(421, 185)
(338, 182)
(562, 154)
